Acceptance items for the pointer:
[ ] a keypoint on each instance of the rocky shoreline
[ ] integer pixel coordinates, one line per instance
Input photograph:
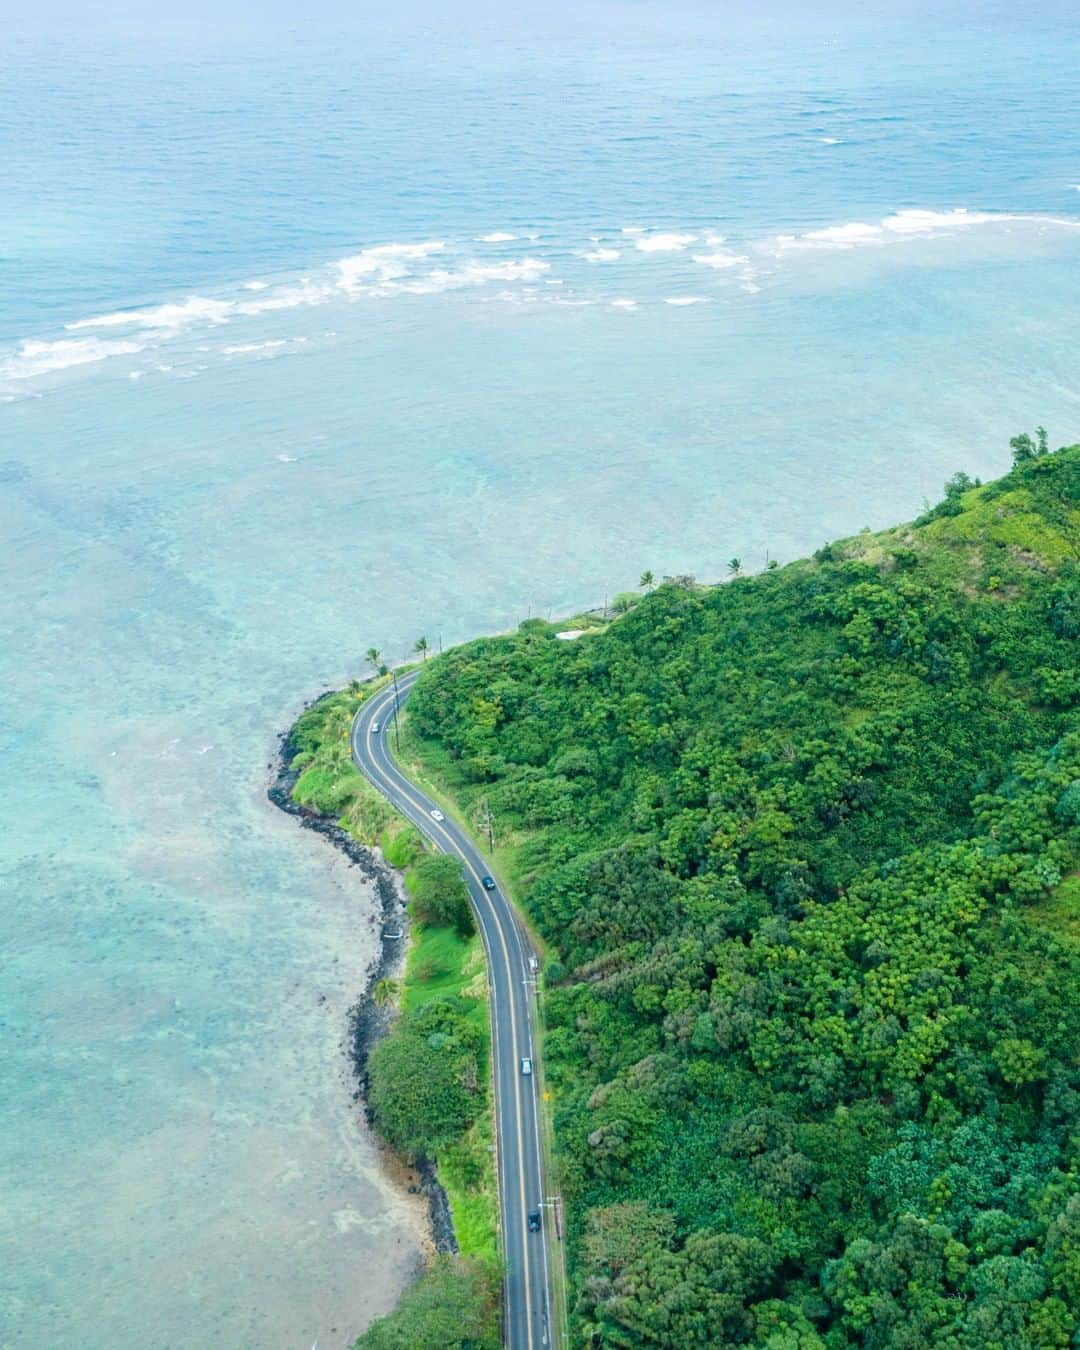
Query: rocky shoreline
(368, 1022)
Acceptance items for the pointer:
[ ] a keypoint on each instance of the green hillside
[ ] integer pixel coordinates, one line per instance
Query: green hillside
(803, 848)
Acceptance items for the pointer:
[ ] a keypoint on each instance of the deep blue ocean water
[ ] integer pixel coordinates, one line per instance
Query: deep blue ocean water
(322, 331)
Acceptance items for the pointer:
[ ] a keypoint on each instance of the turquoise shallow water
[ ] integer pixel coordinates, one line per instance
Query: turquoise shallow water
(278, 384)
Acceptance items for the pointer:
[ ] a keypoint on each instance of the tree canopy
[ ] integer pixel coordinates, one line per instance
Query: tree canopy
(452, 1307)
(439, 894)
(805, 850)
(424, 1083)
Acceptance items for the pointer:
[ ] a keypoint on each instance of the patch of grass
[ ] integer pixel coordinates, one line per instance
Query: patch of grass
(402, 847)
(441, 964)
(330, 783)
(467, 1171)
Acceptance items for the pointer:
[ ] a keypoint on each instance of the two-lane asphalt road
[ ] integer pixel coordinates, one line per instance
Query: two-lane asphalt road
(527, 1323)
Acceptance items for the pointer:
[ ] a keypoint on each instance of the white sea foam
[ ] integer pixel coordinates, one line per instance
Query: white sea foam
(721, 259)
(384, 262)
(909, 224)
(472, 274)
(255, 285)
(42, 358)
(600, 255)
(670, 242)
(496, 237)
(175, 315)
(830, 140)
(624, 304)
(632, 229)
(242, 348)
(683, 300)
(289, 297)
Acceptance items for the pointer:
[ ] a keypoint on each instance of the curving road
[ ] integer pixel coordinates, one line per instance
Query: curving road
(527, 1298)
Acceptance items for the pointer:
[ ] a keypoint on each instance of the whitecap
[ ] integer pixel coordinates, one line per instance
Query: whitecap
(633, 229)
(922, 222)
(624, 304)
(473, 274)
(287, 459)
(42, 358)
(683, 300)
(912, 223)
(496, 237)
(289, 297)
(830, 140)
(256, 285)
(670, 242)
(174, 315)
(600, 255)
(136, 374)
(720, 260)
(384, 262)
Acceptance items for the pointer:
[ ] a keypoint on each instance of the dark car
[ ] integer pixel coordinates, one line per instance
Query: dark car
(534, 1221)
(488, 883)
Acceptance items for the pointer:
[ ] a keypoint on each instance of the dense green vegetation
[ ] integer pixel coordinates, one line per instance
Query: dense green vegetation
(454, 1306)
(428, 1079)
(439, 895)
(803, 849)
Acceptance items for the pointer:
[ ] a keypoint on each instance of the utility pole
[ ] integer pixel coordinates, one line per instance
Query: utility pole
(397, 733)
(487, 825)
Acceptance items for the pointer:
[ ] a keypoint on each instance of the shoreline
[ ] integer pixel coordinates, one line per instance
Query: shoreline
(368, 1023)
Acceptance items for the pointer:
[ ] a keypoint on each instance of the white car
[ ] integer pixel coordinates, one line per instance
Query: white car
(374, 727)
(436, 814)
(526, 1067)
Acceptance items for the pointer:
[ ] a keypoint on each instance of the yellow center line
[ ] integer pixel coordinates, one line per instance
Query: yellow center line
(448, 845)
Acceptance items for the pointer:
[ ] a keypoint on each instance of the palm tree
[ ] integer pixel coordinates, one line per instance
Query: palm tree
(734, 567)
(421, 646)
(374, 656)
(647, 580)
(385, 991)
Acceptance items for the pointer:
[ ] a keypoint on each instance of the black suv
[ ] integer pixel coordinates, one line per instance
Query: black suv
(534, 1221)
(488, 883)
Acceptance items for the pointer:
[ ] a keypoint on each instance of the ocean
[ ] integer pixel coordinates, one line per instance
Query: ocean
(323, 329)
